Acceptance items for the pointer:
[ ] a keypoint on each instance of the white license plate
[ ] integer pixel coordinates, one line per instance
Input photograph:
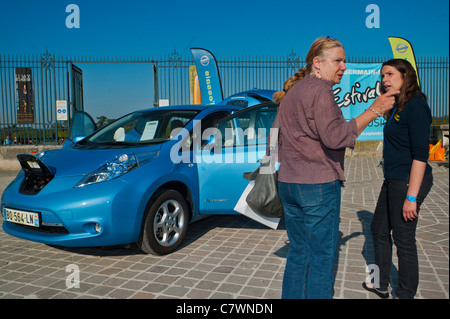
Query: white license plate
(21, 217)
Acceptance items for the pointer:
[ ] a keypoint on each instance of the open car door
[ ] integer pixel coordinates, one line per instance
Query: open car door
(82, 126)
(240, 142)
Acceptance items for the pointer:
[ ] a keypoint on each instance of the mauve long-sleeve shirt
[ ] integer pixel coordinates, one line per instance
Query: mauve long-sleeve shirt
(313, 134)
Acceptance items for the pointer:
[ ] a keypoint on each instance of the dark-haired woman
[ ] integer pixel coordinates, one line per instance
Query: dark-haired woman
(407, 180)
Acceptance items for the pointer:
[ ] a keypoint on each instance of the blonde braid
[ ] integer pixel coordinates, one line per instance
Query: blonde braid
(297, 77)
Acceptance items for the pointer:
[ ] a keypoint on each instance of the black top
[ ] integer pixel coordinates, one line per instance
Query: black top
(407, 138)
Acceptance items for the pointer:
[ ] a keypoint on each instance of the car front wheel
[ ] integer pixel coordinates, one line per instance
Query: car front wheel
(165, 223)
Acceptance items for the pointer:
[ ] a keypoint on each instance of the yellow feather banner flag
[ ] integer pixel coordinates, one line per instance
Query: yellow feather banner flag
(402, 49)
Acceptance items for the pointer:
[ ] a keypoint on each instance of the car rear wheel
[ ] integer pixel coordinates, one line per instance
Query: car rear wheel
(165, 223)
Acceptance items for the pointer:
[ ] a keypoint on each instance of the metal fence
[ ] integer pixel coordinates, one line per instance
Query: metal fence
(59, 79)
(51, 79)
(48, 83)
(241, 73)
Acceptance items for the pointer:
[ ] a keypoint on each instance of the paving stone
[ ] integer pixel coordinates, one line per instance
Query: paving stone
(231, 257)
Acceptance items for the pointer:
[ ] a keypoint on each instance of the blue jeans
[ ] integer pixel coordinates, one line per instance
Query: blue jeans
(311, 213)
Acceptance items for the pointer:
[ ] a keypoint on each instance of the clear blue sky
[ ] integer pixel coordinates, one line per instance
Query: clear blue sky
(225, 27)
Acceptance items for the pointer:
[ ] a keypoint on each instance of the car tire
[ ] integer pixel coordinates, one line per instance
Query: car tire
(165, 223)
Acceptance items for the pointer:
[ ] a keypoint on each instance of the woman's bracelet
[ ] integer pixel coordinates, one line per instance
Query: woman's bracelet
(377, 113)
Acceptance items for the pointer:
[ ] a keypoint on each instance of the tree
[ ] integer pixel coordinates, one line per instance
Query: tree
(103, 120)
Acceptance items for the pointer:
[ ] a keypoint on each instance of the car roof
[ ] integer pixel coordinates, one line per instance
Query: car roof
(196, 107)
(261, 92)
(249, 98)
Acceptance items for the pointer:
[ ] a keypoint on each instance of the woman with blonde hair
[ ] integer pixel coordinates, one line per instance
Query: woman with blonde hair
(312, 140)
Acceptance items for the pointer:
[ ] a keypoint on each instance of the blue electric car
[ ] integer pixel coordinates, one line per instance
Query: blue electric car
(141, 179)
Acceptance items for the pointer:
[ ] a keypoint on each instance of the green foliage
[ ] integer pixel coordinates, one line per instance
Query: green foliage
(103, 120)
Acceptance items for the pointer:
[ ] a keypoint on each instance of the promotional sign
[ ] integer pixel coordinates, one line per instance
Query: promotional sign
(24, 96)
(61, 110)
(194, 86)
(402, 49)
(359, 88)
(208, 76)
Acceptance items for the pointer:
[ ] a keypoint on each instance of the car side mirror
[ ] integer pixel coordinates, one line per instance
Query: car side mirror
(76, 139)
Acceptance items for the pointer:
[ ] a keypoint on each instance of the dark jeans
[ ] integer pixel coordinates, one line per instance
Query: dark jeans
(388, 217)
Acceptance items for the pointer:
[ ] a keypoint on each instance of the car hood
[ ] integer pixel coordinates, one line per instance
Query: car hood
(73, 161)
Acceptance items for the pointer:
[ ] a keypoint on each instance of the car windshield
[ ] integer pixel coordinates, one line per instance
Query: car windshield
(151, 126)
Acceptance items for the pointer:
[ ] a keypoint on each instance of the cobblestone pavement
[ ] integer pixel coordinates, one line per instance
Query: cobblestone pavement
(228, 257)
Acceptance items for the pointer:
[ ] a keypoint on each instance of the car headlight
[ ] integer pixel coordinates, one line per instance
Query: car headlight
(116, 167)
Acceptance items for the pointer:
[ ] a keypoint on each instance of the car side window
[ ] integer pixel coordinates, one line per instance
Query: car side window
(176, 124)
(249, 127)
(207, 126)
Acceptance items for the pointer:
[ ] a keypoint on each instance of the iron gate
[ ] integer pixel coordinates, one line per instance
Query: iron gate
(30, 88)
(53, 79)
(244, 73)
